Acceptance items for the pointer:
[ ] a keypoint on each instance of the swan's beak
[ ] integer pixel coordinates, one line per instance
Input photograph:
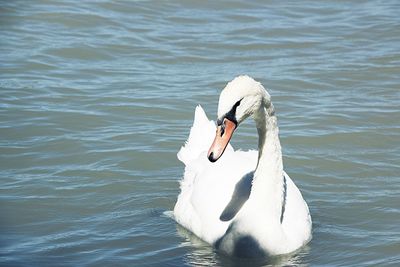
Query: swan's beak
(222, 137)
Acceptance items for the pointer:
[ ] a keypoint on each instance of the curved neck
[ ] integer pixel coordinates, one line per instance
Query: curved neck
(267, 187)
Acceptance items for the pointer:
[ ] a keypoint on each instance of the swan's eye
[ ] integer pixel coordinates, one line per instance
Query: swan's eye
(238, 103)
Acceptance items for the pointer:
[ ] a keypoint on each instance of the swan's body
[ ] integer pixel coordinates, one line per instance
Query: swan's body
(244, 204)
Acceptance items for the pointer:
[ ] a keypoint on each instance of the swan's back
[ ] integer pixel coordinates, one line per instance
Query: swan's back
(215, 195)
(200, 137)
(207, 188)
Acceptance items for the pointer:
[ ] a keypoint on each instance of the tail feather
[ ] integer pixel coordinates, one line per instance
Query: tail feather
(200, 137)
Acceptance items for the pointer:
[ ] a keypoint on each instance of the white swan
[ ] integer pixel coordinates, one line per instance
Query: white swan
(243, 204)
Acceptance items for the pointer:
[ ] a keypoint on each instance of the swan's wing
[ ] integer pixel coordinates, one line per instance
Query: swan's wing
(297, 220)
(200, 138)
(194, 155)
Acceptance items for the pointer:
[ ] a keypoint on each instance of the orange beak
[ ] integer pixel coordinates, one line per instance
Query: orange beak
(222, 137)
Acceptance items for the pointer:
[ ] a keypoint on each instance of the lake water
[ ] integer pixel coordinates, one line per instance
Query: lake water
(97, 97)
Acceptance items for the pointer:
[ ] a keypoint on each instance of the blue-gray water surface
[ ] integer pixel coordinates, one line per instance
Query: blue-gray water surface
(96, 98)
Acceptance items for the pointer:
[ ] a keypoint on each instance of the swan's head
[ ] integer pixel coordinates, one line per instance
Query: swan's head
(241, 98)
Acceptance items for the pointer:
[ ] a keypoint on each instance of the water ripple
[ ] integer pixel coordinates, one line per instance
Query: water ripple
(97, 97)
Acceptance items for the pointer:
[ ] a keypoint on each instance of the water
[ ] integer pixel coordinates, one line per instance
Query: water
(97, 97)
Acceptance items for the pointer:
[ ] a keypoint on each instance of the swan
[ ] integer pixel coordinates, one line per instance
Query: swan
(242, 203)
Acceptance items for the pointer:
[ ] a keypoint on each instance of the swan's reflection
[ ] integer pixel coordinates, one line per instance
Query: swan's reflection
(202, 254)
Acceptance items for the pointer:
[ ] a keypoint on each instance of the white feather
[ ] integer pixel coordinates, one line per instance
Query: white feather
(223, 204)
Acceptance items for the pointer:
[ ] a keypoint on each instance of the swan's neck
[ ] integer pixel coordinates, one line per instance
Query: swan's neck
(267, 189)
